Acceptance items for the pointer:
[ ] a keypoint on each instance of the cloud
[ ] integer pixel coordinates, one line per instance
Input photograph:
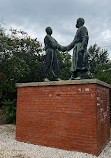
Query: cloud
(35, 15)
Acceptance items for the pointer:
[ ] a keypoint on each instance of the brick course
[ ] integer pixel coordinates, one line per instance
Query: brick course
(71, 116)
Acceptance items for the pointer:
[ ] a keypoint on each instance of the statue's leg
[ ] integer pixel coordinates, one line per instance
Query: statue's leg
(73, 75)
(82, 74)
(48, 58)
(55, 65)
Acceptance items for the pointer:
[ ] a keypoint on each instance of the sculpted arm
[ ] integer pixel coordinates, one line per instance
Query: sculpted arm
(50, 42)
(54, 44)
(71, 45)
(66, 48)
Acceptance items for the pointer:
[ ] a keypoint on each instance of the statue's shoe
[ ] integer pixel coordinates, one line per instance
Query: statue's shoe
(58, 79)
(72, 78)
(46, 80)
(77, 78)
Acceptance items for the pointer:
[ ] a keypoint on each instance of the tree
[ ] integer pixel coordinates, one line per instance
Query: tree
(21, 60)
(64, 63)
(96, 57)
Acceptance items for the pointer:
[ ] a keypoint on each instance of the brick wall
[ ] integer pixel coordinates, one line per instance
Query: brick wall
(71, 116)
(103, 117)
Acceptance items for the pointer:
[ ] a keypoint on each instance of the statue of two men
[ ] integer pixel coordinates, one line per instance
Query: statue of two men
(80, 55)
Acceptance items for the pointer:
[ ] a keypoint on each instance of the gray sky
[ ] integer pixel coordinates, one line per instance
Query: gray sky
(33, 16)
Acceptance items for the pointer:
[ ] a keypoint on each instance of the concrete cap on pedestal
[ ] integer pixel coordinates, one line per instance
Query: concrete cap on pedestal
(64, 82)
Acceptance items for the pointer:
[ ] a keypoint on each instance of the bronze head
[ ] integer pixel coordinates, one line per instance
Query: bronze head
(80, 22)
(48, 30)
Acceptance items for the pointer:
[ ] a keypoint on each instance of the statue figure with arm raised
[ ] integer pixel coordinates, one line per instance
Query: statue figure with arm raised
(51, 45)
(80, 54)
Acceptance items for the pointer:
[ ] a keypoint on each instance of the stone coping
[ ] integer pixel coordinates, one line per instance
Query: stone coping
(64, 82)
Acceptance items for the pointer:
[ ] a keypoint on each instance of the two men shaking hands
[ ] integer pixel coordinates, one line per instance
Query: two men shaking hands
(80, 56)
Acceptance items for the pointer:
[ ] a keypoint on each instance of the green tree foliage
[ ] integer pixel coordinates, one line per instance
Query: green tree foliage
(104, 72)
(96, 57)
(21, 60)
(99, 64)
(9, 110)
(64, 64)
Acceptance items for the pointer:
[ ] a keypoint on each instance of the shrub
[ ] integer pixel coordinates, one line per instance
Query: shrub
(9, 110)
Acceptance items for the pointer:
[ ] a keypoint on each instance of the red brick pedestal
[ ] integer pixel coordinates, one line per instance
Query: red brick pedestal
(71, 115)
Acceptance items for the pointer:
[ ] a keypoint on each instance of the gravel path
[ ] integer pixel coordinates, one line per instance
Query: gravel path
(10, 148)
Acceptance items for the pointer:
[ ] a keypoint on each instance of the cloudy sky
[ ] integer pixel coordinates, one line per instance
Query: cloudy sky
(33, 16)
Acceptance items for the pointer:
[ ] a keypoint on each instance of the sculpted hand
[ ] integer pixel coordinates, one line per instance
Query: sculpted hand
(63, 48)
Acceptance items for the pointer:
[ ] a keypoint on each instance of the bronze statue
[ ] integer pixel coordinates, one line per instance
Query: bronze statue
(80, 54)
(51, 45)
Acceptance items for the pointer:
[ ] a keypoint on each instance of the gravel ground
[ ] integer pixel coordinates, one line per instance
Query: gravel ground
(10, 148)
